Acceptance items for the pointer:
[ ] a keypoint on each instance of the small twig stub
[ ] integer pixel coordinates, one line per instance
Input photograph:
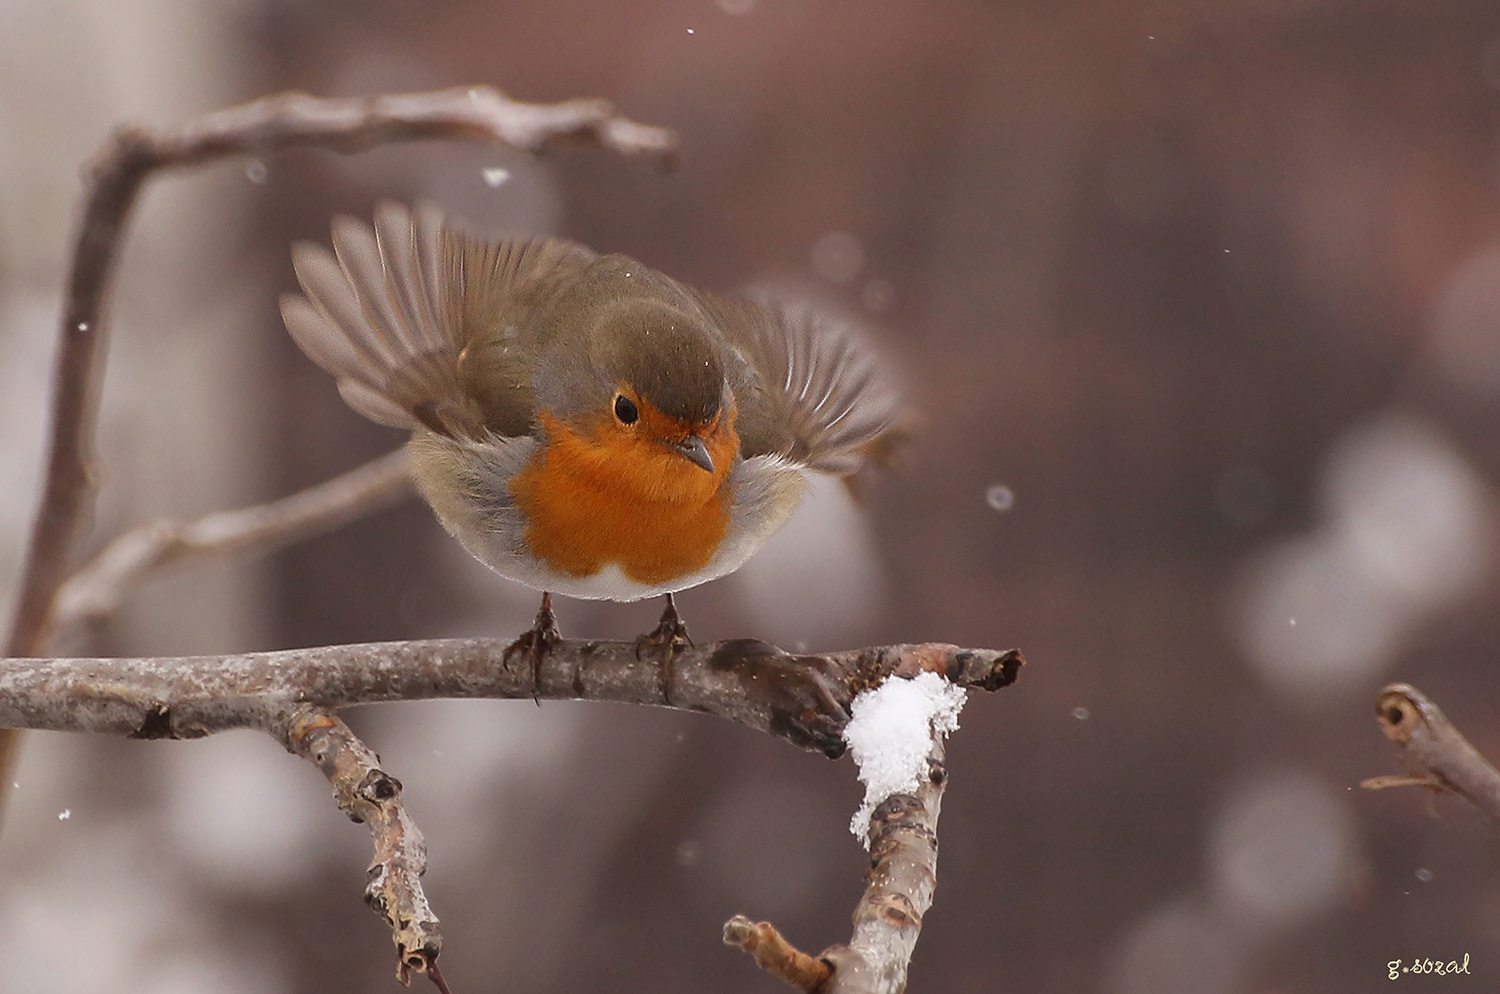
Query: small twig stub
(1433, 751)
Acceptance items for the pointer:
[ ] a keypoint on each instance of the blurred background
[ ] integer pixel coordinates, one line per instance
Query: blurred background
(1200, 303)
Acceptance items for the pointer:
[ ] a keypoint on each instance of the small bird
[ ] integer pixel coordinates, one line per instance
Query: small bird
(580, 422)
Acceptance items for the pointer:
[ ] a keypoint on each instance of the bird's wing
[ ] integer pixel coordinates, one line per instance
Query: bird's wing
(396, 313)
(817, 396)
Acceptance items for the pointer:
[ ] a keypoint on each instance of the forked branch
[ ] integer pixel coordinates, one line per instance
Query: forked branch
(902, 839)
(294, 694)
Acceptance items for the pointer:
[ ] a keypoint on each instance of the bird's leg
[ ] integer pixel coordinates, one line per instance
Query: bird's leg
(543, 635)
(670, 636)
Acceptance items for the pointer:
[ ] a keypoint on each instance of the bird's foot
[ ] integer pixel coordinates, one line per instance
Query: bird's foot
(669, 638)
(537, 642)
(670, 634)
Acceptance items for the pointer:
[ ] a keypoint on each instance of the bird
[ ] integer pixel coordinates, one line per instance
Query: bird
(581, 422)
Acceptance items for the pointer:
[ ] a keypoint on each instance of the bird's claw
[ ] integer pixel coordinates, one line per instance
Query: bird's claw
(536, 643)
(670, 634)
(668, 638)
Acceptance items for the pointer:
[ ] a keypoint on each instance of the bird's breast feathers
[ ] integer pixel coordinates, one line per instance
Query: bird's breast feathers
(537, 516)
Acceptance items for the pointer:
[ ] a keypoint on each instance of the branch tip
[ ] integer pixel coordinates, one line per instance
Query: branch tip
(1387, 781)
(774, 954)
(436, 976)
(1435, 753)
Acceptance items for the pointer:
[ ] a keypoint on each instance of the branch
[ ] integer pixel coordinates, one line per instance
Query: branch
(902, 879)
(888, 919)
(95, 591)
(801, 698)
(775, 955)
(292, 694)
(1433, 751)
(368, 794)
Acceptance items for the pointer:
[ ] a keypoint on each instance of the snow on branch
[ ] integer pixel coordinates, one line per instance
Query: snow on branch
(896, 737)
(892, 732)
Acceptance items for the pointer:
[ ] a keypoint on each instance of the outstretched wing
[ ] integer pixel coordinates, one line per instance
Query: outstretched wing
(817, 397)
(398, 312)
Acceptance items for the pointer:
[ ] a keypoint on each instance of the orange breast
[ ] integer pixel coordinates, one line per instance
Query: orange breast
(613, 498)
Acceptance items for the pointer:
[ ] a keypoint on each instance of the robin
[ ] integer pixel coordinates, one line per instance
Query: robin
(580, 422)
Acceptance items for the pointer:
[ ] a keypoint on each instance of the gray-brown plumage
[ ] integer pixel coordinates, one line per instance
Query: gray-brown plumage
(478, 345)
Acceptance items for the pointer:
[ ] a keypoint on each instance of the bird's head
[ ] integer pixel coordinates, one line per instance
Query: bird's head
(649, 407)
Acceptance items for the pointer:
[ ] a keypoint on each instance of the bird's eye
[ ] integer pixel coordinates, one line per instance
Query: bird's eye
(625, 410)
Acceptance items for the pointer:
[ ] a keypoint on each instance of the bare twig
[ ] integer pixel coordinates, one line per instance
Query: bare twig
(775, 955)
(900, 885)
(368, 794)
(1435, 754)
(289, 120)
(95, 591)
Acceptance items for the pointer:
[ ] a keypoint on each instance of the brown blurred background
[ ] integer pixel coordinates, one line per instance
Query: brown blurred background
(1200, 304)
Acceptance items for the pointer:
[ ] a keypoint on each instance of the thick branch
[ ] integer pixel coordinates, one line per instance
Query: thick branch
(95, 591)
(1434, 752)
(801, 698)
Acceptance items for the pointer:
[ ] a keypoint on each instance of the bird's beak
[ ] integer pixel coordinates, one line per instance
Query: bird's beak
(694, 451)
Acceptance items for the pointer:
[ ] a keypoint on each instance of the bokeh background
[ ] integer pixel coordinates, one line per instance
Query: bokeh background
(1199, 303)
